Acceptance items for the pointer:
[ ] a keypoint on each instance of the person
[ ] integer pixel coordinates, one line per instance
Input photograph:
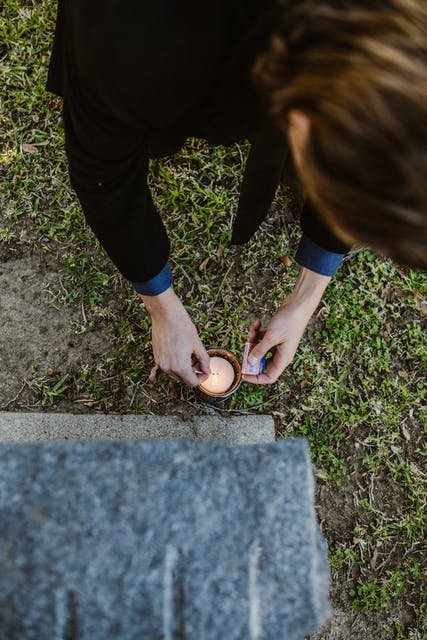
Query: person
(339, 85)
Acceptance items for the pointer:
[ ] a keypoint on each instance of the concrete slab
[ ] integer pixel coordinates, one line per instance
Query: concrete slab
(161, 539)
(38, 427)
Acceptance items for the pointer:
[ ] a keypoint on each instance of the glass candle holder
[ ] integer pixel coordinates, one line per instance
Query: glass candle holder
(213, 397)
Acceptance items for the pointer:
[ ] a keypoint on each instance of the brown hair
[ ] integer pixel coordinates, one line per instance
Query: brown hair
(358, 70)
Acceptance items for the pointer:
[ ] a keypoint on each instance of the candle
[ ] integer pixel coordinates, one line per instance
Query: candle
(221, 377)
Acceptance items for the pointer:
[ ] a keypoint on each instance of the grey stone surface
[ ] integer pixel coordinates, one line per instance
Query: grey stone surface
(159, 540)
(36, 427)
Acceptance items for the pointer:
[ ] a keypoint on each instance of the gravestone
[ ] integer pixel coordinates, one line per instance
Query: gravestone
(169, 540)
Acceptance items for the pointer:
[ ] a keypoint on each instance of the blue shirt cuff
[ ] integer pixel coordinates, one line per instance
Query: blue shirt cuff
(317, 259)
(156, 285)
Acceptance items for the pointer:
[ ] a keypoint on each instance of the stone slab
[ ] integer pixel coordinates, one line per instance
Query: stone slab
(161, 540)
(37, 427)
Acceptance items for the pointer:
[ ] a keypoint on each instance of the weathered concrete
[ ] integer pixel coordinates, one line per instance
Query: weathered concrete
(160, 541)
(37, 427)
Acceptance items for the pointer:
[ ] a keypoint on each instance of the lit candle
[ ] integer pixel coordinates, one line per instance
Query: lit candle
(221, 377)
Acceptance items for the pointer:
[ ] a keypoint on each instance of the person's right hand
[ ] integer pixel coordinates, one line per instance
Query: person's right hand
(177, 348)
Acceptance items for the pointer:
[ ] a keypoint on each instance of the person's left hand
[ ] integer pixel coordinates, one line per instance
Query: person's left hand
(281, 337)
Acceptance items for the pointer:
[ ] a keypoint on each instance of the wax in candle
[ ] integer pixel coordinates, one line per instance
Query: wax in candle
(221, 377)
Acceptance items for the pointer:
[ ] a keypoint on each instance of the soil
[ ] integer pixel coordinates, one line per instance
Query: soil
(346, 625)
(35, 336)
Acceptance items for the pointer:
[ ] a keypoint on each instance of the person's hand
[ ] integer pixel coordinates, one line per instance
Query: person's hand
(177, 348)
(284, 332)
(281, 337)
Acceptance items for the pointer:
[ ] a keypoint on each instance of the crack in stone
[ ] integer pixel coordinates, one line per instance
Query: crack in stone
(253, 592)
(173, 595)
(66, 615)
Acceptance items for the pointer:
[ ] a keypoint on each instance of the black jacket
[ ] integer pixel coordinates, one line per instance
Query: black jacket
(138, 78)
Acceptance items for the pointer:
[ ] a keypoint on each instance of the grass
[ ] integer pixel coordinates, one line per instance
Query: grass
(356, 388)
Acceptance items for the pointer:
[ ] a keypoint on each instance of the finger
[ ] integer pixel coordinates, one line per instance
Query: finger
(201, 365)
(261, 349)
(183, 369)
(196, 370)
(187, 376)
(275, 368)
(254, 328)
(261, 378)
(203, 360)
(202, 377)
(256, 333)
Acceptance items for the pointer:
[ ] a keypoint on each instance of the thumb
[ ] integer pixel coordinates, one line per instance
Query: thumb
(203, 359)
(260, 350)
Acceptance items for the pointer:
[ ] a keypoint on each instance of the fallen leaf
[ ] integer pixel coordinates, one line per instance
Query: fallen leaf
(197, 277)
(403, 374)
(29, 148)
(406, 433)
(387, 329)
(153, 373)
(321, 475)
(422, 306)
(387, 293)
(304, 407)
(203, 264)
(278, 413)
(355, 571)
(374, 559)
(287, 261)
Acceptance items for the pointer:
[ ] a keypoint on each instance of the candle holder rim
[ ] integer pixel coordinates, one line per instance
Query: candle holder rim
(237, 370)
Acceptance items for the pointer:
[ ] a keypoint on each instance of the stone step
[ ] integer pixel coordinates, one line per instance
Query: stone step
(160, 540)
(39, 427)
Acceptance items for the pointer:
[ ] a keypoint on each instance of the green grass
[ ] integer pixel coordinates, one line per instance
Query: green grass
(356, 388)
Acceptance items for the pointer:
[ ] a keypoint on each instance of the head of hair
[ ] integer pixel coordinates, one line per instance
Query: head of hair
(358, 70)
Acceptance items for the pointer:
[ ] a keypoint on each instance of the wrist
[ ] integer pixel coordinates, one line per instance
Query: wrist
(166, 304)
(308, 290)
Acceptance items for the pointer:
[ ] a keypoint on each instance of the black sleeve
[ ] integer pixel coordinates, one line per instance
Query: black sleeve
(108, 167)
(315, 229)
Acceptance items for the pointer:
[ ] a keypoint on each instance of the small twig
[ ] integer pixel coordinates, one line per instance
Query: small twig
(381, 567)
(413, 549)
(215, 409)
(30, 406)
(242, 160)
(148, 396)
(134, 394)
(221, 285)
(62, 286)
(15, 398)
(181, 268)
(353, 622)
